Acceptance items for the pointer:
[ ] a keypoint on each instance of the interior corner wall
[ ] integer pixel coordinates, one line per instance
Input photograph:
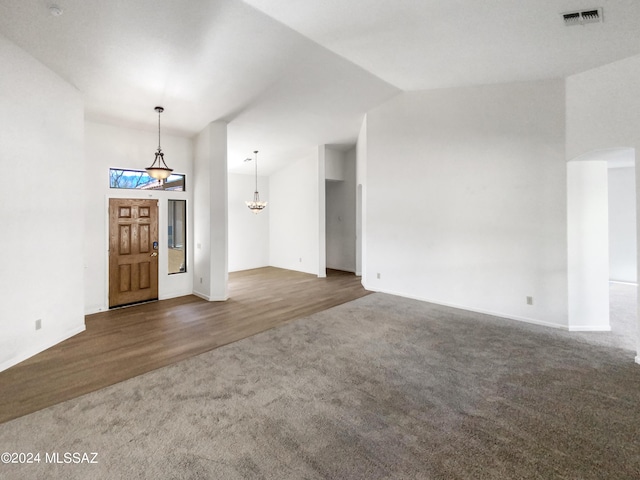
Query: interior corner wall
(466, 199)
(294, 216)
(341, 211)
(622, 225)
(42, 215)
(108, 146)
(248, 232)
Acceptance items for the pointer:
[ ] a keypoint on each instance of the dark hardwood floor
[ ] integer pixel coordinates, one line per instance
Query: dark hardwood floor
(120, 344)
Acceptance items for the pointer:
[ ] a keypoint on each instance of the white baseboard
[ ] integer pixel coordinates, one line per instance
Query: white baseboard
(95, 309)
(533, 321)
(202, 296)
(210, 299)
(22, 356)
(341, 269)
(590, 328)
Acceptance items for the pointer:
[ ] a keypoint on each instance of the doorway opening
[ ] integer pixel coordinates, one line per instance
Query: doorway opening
(623, 274)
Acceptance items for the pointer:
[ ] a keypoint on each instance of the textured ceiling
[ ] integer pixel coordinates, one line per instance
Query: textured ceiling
(288, 76)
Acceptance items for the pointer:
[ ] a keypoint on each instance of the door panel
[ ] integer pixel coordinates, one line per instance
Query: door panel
(124, 246)
(145, 239)
(133, 262)
(145, 274)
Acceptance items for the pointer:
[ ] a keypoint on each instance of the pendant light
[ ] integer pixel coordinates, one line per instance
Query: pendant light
(159, 171)
(256, 205)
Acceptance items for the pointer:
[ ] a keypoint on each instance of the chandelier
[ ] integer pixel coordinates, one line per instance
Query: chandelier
(256, 205)
(159, 171)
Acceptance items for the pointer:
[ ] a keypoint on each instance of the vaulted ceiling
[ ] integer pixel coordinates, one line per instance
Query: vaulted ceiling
(290, 75)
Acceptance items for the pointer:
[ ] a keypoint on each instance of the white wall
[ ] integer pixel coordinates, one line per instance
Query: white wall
(248, 232)
(603, 108)
(41, 207)
(622, 225)
(588, 245)
(466, 199)
(293, 217)
(334, 164)
(341, 211)
(107, 147)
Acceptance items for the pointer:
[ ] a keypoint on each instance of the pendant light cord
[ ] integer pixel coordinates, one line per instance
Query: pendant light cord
(256, 152)
(159, 112)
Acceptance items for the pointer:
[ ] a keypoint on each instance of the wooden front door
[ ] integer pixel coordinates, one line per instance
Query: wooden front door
(133, 260)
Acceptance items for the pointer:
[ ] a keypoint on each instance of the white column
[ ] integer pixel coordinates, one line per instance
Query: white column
(322, 213)
(361, 181)
(588, 245)
(637, 168)
(211, 271)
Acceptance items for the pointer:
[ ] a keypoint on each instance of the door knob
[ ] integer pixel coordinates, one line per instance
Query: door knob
(154, 254)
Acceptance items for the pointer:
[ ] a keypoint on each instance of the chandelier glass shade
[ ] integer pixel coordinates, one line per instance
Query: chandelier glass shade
(158, 168)
(256, 205)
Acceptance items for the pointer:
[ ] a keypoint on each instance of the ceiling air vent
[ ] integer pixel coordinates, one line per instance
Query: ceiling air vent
(585, 16)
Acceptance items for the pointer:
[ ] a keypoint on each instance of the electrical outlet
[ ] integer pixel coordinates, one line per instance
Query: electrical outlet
(300, 259)
(200, 279)
(529, 300)
(378, 276)
(38, 324)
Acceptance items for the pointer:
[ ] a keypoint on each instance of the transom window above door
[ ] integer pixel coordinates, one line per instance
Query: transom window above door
(140, 180)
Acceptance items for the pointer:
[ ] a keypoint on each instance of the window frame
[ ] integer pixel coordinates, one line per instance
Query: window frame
(155, 185)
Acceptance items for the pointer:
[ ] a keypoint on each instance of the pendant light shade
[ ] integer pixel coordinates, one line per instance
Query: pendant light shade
(158, 168)
(256, 205)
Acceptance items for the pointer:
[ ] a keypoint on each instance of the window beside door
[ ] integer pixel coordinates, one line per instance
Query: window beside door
(177, 237)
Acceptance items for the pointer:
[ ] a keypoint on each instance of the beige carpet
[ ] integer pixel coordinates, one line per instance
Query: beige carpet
(382, 387)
